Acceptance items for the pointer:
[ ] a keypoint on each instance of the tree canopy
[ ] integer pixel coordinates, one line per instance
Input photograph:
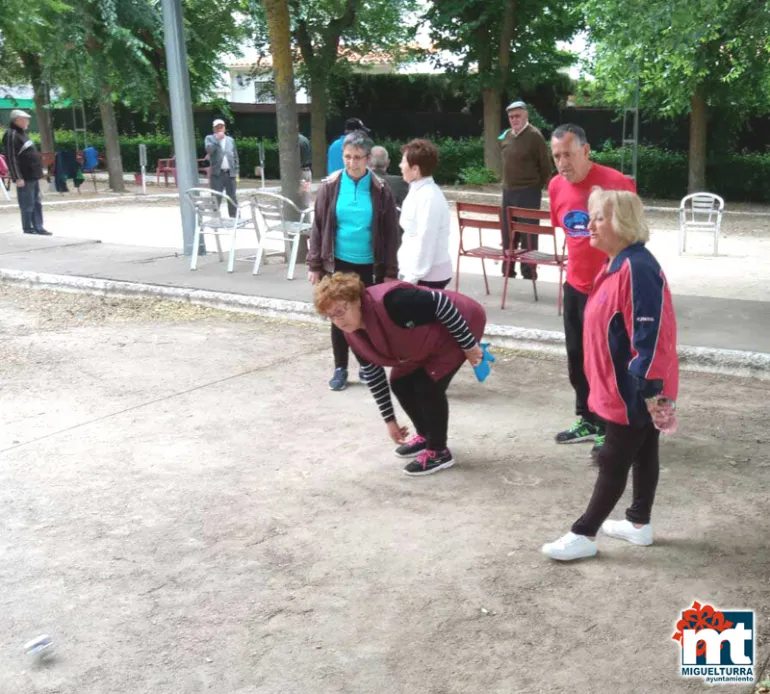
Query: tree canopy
(501, 46)
(690, 56)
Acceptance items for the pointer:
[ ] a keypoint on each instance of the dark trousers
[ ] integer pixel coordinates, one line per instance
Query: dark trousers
(223, 182)
(30, 206)
(339, 343)
(524, 197)
(574, 312)
(625, 447)
(425, 403)
(434, 285)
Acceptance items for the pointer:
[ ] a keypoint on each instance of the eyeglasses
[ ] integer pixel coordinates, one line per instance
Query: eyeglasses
(354, 157)
(338, 313)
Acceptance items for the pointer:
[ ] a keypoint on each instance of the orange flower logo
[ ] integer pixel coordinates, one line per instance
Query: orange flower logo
(699, 617)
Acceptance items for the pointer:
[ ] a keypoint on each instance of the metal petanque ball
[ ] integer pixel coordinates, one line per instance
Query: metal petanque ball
(40, 648)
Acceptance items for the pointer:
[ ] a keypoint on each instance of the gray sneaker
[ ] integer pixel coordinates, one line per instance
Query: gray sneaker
(339, 379)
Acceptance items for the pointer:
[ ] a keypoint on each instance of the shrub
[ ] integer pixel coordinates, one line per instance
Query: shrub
(662, 173)
(478, 176)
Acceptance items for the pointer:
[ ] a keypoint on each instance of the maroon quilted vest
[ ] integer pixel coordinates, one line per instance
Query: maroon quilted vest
(430, 346)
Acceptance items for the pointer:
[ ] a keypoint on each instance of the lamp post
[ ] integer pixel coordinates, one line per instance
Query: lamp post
(181, 113)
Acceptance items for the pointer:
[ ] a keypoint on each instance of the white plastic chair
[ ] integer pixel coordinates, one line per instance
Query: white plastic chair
(271, 212)
(209, 221)
(700, 212)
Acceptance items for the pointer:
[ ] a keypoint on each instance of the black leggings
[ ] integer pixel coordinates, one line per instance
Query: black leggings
(339, 343)
(424, 401)
(625, 447)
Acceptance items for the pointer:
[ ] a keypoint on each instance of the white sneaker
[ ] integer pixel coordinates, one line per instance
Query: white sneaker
(570, 547)
(625, 530)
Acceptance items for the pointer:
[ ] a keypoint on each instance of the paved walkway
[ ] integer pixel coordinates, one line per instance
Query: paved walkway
(710, 310)
(722, 301)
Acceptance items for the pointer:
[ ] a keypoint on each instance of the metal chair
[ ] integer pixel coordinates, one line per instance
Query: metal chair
(271, 212)
(474, 216)
(700, 212)
(209, 221)
(533, 257)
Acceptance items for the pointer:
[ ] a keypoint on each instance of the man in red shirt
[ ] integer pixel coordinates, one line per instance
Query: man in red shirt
(568, 193)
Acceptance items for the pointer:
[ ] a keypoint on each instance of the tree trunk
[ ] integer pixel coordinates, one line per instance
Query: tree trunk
(697, 158)
(492, 109)
(42, 99)
(506, 36)
(285, 97)
(112, 154)
(318, 103)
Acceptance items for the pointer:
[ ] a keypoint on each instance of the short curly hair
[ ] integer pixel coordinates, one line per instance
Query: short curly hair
(423, 154)
(341, 286)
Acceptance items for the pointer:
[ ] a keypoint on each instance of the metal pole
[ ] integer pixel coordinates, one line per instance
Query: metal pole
(181, 113)
(635, 151)
(75, 125)
(262, 162)
(143, 164)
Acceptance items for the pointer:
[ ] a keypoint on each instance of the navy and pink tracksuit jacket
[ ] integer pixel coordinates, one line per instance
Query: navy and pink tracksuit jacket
(629, 338)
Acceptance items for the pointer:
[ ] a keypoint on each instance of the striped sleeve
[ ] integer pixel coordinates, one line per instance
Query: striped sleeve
(421, 306)
(377, 381)
(448, 314)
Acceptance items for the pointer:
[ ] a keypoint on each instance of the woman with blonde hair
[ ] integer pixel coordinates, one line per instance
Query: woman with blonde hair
(629, 340)
(425, 335)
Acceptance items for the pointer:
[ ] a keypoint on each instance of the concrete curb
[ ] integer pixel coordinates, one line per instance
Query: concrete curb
(527, 340)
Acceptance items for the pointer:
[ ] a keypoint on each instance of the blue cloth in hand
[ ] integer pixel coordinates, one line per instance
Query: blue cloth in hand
(482, 368)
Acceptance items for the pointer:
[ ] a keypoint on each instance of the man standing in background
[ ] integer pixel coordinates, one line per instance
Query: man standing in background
(223, 155)
(25, 169)
(305, 171)
(334, 155)
(526, 171)
(379, 162)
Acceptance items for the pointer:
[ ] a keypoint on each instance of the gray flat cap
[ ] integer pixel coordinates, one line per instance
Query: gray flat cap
(516, 104)
(18, 113)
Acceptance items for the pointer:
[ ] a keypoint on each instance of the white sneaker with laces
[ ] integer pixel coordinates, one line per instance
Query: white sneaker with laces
(570, 547)
(625, 530)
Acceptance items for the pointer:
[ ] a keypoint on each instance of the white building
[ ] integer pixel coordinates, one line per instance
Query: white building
(247, 78)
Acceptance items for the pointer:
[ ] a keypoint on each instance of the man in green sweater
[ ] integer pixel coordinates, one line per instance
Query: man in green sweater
(526, 171)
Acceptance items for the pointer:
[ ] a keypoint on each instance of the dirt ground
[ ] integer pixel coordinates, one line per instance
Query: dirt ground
(187, 508)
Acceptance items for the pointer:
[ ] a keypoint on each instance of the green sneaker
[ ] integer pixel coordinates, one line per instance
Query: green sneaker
(579, 431)
(598, 443)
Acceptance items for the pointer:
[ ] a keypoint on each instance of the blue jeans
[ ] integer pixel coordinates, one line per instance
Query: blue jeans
(30, 206)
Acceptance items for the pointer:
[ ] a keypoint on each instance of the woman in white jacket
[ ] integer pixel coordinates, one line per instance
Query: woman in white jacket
(423, 257)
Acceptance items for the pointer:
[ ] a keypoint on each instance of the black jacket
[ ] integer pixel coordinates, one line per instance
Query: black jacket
(398, 186)
(22, 157)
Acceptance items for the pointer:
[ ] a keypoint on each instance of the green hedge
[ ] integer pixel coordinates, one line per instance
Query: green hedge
(662, 174)
(454, 156)
(161, 147)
